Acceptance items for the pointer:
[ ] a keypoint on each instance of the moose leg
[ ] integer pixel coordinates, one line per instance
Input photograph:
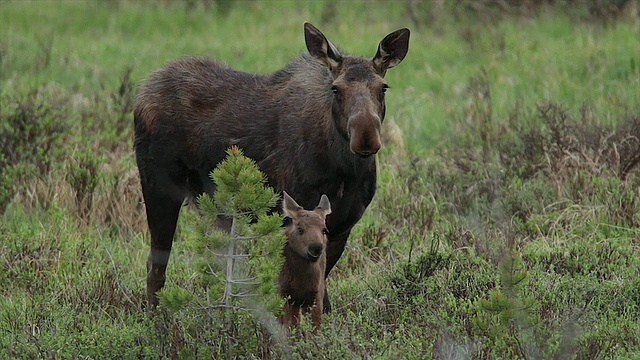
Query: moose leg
(316, 312)
(291, 316)
(286, 314)
(162, 216)
(296, 316)
(335, 248)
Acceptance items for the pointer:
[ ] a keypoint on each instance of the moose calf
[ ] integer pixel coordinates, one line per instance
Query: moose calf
(301, 279)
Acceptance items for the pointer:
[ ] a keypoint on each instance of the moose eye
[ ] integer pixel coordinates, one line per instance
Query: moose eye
(334, 89)
(384, 88)
(300, 231)
(325, 231)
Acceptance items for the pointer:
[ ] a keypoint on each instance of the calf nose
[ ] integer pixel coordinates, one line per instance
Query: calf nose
(314, 252)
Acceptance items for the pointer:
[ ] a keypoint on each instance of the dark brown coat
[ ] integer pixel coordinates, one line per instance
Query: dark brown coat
(312, 128)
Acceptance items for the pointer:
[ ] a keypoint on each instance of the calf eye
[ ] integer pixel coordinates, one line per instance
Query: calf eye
(334, 89)
(325, 231)
(300, 231)
(384, 88)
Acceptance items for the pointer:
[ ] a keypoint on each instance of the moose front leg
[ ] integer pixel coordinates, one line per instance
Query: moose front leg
(291, 316)
(335, 248)
(316, 312)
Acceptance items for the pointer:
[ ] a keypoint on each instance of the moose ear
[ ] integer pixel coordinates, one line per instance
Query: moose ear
(391, 50)
(290, 207)
(324, 207)
(320, 47)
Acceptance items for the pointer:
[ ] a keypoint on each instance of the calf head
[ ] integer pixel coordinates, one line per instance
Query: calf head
(358, 86)
(307, 232)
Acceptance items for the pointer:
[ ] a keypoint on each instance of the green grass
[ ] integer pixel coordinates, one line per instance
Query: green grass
(507, 230)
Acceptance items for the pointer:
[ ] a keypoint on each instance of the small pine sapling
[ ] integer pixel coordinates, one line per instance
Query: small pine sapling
(241, 266)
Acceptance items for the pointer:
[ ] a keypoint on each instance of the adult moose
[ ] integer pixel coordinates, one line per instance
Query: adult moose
(312, 127)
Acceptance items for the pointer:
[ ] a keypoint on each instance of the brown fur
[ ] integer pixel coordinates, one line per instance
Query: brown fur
(301, 279)
(311, 127)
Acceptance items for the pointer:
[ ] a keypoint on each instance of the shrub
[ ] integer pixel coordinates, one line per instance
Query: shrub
(83, 176)
(32, 128)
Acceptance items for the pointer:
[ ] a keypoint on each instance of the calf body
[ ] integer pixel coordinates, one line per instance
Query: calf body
(311, 127)
(301, 279)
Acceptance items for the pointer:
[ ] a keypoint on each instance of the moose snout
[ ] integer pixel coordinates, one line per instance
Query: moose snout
(314, 252)
(367, 145)
(365, 135)
(367, 153)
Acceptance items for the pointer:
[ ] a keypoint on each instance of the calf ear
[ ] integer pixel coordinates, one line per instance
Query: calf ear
(320, 47)
(391, 50)
(289, 206)
(324, 207)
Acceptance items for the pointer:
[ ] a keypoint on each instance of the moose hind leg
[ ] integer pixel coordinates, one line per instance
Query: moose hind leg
(162, 216)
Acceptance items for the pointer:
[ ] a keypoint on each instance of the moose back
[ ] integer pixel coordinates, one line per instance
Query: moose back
(312, 127)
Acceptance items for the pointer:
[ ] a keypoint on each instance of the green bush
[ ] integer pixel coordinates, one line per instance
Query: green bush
(32, 129)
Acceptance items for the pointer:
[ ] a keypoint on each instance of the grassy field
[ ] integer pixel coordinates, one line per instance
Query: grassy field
(507, 225)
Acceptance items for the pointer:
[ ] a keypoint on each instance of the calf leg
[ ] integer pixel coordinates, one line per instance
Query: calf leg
(296, 316)
(291, 316)
(162, 216)
(316, 312)
(285, 319)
